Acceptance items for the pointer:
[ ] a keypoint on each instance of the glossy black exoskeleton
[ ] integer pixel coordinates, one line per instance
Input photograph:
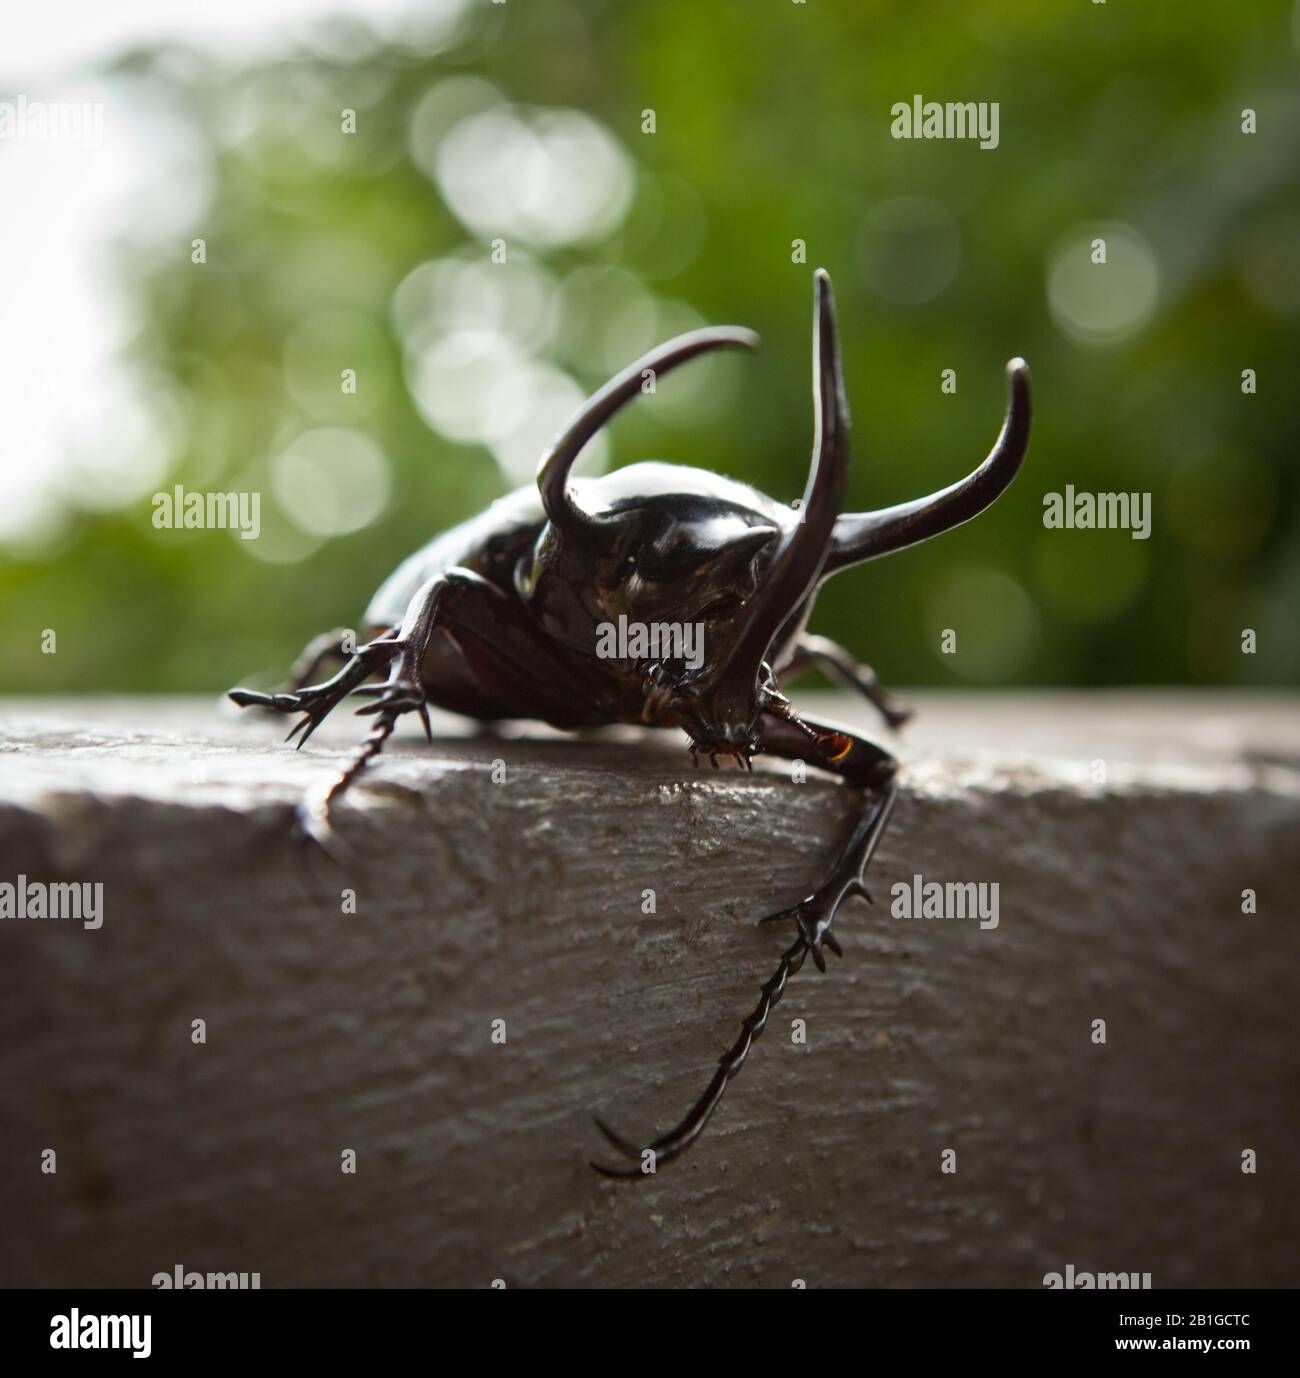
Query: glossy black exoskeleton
(506, 615)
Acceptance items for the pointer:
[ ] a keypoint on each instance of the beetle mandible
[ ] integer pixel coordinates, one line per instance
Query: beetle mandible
(500, 618)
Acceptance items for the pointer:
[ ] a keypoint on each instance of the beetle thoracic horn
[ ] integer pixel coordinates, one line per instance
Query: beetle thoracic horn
(862, 536)
(798, 563)
(553, 472)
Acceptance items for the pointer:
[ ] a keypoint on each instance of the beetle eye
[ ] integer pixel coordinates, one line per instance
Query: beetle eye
(724, 607)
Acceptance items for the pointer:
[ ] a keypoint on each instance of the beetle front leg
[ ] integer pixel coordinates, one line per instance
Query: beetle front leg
(402, 692)
(497, 641)
(872, 770)
(839, 664)
(317, 701)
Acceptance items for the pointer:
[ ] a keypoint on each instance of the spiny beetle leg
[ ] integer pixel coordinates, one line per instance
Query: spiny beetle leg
(397, 696)
(839, 664)
(678, 1139)
(402, 692)
(317, 701)
(456, 601)
(872, 770)
(861, 763)
(814, 915)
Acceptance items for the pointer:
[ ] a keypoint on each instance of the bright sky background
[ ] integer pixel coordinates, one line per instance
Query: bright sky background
(74, 421)
(46, 40)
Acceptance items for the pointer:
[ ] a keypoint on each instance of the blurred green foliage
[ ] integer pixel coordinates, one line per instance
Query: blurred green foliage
(772, 125)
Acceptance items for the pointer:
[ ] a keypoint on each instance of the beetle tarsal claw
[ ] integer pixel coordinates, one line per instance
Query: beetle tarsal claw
(617, 1173)
(307, 722)
(251, 698)
(627, 1149)
(812, 918)
(312, 717)
(317, 701)
(396, 697)
(620, 1145)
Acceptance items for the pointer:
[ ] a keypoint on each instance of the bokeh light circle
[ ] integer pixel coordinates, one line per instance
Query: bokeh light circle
(331, 481)
(1102, 303)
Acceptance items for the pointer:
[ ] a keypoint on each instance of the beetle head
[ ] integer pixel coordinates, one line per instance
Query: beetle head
(674, 557)
(650, 557)
(751, 579)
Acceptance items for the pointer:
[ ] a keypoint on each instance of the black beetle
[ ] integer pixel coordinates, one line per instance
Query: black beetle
(503, 617)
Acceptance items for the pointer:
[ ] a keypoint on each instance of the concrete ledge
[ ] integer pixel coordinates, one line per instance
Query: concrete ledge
(522, 901)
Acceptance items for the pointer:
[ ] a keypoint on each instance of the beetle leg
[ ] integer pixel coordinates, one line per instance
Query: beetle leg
(316, 701)
(319, 653)
(402, 692)
(431, 610)
(869, 768)
(830, 656)
(682, 1136)
(313, 815)
(861, 763)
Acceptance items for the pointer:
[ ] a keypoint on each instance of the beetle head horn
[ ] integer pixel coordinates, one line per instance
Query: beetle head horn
(553, 472)
(861, 536)
(798, 562)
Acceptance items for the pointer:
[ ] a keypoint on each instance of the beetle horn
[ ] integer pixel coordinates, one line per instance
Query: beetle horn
(863, 536)
(553, 472)
(797, 565)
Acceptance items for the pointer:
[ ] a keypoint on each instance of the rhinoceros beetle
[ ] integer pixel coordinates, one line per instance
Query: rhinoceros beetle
(501, 617)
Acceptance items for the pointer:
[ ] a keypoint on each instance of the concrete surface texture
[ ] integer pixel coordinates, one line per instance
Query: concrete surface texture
(945, 1114)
